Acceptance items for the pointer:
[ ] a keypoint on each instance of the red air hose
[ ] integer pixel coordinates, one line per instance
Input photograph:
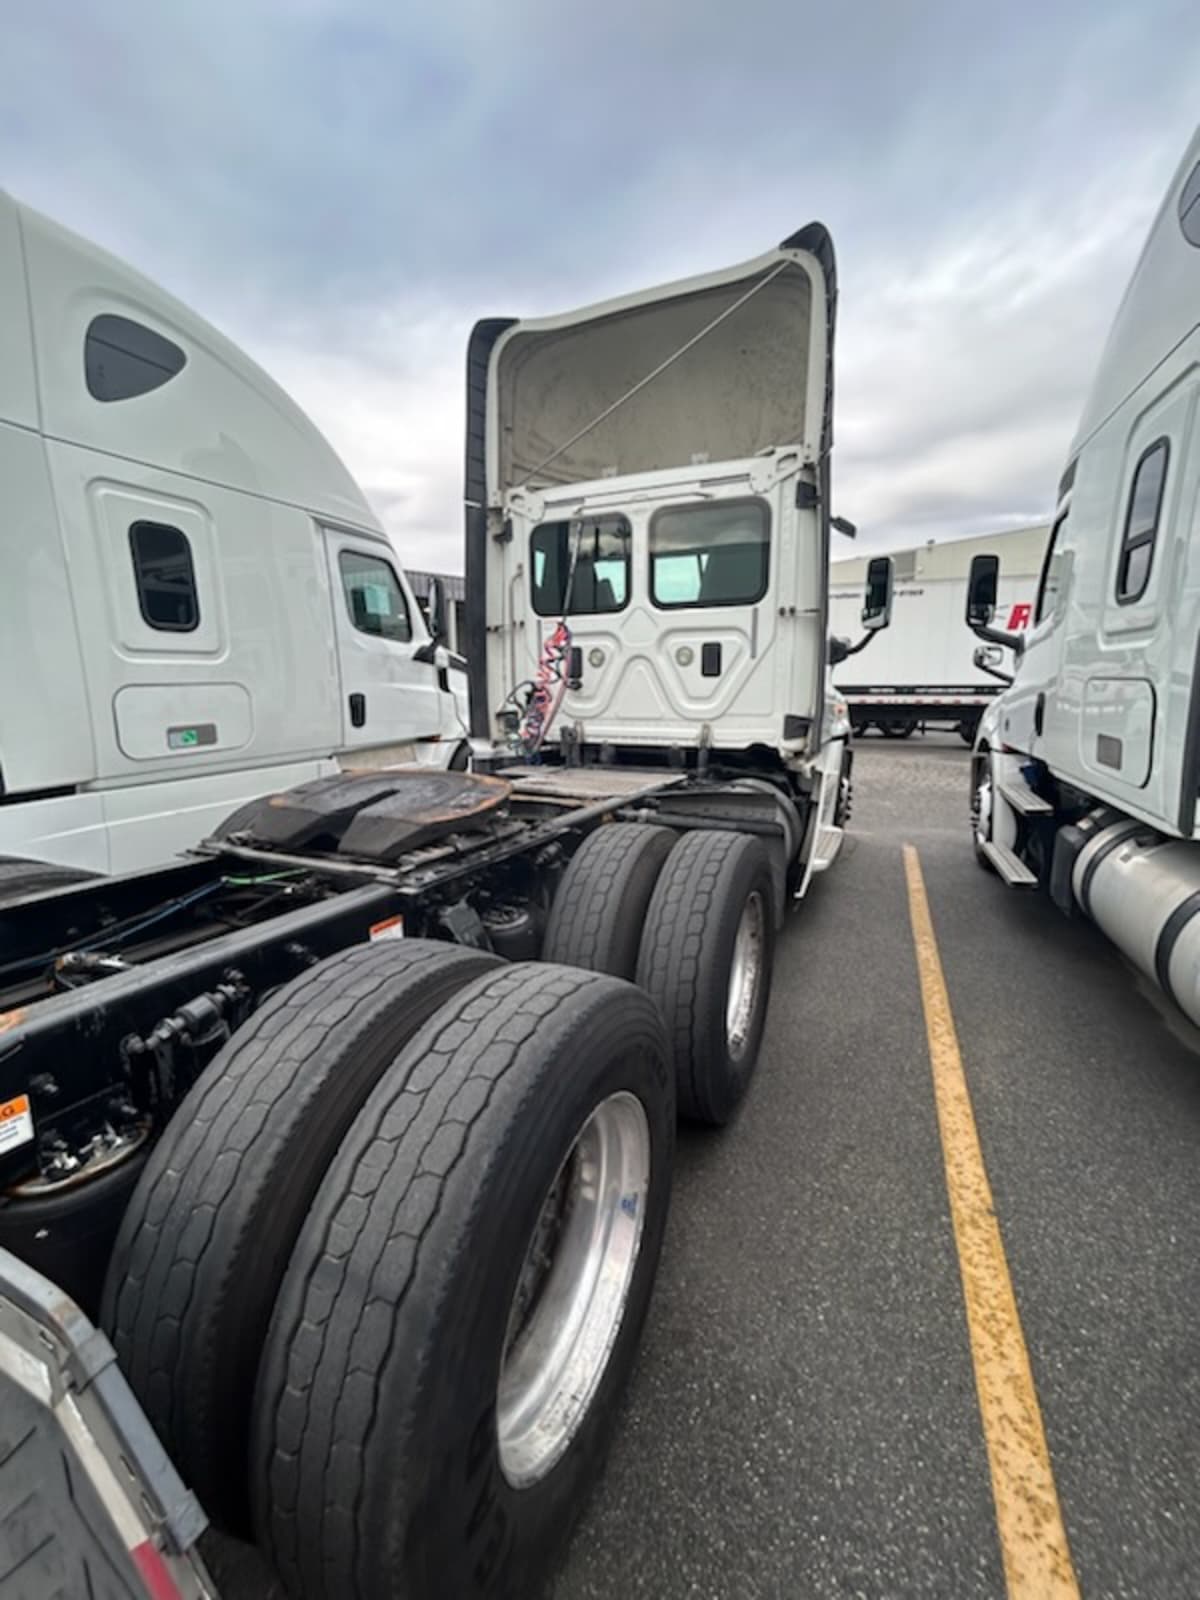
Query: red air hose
(549, 686)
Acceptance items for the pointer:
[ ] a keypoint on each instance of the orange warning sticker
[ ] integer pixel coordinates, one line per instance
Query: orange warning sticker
(390, 928)
(16, 1123)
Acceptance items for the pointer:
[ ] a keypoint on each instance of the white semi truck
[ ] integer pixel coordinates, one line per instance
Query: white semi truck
(197, 604)
(922, 672)
(355, 1126)
(1086, 772)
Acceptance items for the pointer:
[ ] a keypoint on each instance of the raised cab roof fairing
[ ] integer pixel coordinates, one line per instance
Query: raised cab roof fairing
(1159, 308)
(737, 362)
(221, 419)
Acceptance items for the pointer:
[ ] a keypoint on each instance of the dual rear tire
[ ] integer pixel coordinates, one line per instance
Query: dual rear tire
(691, 920)
(379, 1311)
(205, 1241)
(465, 1300)
(381, 1283)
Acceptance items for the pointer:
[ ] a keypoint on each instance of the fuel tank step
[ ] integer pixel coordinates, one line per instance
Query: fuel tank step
(1022, 798)
(1010, 866)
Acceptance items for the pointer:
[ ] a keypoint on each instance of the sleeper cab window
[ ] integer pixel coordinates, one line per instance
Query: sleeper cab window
(122, 359)
(580, 567)
(165, 577)
(374, 598)
(1141, 522)
(710, 555)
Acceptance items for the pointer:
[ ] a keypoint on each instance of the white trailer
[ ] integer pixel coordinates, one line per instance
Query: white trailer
(922, 670)
(197, 604)
(1086, 773)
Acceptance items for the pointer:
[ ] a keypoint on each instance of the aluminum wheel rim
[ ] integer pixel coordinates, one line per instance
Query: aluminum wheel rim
(745, 976)
(983, 810)
(572, 1289)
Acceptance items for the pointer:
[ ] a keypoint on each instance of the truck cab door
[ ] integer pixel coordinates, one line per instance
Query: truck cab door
(1132, 719)
(1031, 716)
(388, 697)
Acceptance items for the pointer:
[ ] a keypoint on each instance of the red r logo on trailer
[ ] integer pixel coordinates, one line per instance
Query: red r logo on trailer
(1019, 618)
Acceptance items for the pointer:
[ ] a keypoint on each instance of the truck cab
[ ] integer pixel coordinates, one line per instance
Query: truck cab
(197, 603)
(666, 456)
(1087, 769)
(1105, 681)
(648, 525)
(521, 976)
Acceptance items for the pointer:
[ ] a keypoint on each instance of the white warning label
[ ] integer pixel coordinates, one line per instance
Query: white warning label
(16, 1123)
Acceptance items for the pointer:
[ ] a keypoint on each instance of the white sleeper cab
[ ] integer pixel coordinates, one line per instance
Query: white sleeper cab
(197, 604)
(1086, 772)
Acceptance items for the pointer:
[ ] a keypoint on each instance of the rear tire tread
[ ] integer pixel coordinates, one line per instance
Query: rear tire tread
(380, 1200)
(225, 1143)
(600, 904)
(672, 952)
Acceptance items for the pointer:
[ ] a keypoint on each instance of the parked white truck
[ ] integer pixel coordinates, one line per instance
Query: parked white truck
(1086, 773)
(355, 1126)
(922, 671)
(197, 604)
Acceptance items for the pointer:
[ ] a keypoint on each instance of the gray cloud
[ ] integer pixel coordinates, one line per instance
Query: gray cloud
(344, 185)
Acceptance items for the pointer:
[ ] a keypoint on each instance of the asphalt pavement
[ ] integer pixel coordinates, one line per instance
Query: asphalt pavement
(803, 1421)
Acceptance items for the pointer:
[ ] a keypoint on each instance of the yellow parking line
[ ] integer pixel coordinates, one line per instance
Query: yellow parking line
(1033, 1540)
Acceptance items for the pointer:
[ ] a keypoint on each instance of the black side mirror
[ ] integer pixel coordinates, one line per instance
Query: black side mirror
(981, 590)
(877, 602)
(435, 609)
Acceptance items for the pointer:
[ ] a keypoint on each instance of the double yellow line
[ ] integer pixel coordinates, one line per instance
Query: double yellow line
(1033, 1540)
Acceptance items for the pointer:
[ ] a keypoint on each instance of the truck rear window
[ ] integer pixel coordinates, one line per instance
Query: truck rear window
(599, 582)
(711, 555)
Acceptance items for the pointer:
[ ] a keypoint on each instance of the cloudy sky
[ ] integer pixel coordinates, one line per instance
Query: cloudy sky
(343, 186)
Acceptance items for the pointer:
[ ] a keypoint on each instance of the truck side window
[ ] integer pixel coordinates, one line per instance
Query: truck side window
(599, 547)
(1051, 579)
(122, 359)
(374, 598)
(710, 555)
(1141, 522)
(165, 577)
